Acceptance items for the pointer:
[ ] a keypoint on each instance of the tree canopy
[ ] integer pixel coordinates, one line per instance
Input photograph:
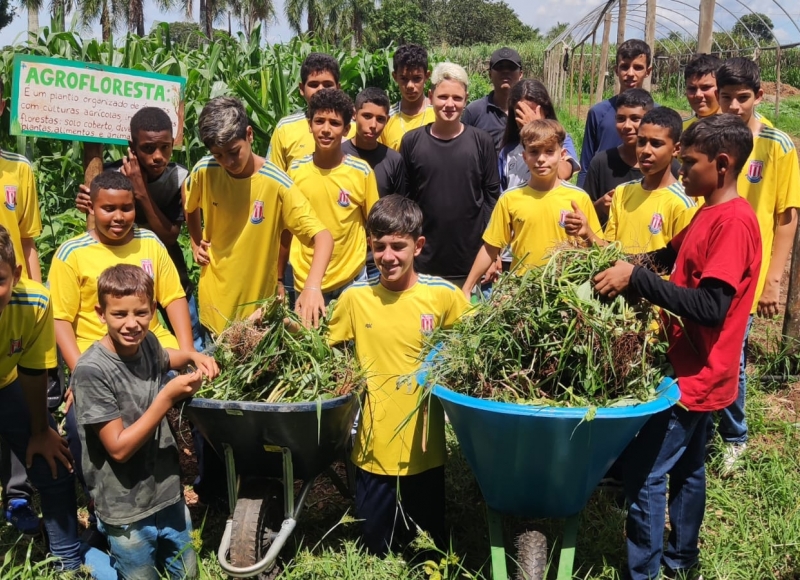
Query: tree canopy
(756, 24)
(6, 13)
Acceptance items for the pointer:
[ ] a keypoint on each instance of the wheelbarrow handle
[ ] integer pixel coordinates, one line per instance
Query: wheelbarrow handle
(287, 527)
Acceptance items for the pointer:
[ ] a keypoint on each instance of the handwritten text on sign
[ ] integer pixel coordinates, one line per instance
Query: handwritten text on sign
(87, 102)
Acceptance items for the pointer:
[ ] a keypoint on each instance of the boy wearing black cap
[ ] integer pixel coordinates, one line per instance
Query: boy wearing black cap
(489, 113)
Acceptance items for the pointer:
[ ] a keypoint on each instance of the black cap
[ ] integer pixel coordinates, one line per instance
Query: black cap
(505, 53)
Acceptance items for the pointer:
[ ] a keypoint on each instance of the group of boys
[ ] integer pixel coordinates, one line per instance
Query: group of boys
(397, 213)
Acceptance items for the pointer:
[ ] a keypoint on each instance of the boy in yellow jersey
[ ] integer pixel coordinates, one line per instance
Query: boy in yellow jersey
(399, 473)
(646, 213)
(700, 76)
(29, 350)
(410, 72)
(246, 201)
(20, 216)
(291, 139)
(341, 189)
(771, 183)
(531, 218)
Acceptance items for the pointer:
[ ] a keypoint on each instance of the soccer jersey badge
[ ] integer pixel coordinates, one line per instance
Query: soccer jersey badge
(344, 198)
(147, 266)
(656, 224)
(562, 218)
(16, 346)
(754, 171)
(11, 197)
(258, 213)
(426, 323)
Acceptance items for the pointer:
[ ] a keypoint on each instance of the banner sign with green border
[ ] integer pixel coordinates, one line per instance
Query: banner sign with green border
(62, 99)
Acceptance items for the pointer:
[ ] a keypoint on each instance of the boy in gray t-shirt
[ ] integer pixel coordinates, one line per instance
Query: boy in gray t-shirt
(130, 458)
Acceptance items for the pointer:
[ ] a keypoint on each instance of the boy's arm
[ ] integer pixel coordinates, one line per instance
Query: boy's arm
(31, 259)
(310, 303)
(122, 443)
(491, 175)
(781, 249)
(67, 343)
(166, 230)
(181, 322)
(485, 258)
(588, 146)
(180, 359)
(199, 245)
(44, 440)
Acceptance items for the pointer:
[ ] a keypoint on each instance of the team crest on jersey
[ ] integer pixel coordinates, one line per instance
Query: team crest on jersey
(258, 213)
(426, 323)
(754, 171)
(344, 198)
(16, 346)
(11, 197)
(147, 266)
(562, 219)
(656, 224)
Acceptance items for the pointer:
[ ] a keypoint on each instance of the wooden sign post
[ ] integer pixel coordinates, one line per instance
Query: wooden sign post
(77, 101)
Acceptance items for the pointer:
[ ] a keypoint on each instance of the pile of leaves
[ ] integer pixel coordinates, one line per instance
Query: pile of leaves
(547, 338)
(264, 361)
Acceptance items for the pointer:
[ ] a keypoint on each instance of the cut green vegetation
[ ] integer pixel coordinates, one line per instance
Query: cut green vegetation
(544, 337)
(265, 362)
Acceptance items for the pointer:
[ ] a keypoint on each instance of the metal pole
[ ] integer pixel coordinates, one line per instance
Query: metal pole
(580, 81)
(593, 77)
(622, 14)
(777, 83)
(705, 26)
(650, 34)
(571, 80)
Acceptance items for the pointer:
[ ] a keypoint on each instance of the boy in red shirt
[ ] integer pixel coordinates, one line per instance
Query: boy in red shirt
(715, 263)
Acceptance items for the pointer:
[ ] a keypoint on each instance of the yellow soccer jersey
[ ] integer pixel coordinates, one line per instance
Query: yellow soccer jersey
(645, 221)
(292, 139)
(20, 211)
(27, 333)
(243, 221)
(389, 330)
(78, 264)
(399, 124)
(341, 198)
(532, 222)
(770, 181)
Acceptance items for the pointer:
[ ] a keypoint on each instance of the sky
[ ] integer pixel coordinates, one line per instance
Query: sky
(542, 14)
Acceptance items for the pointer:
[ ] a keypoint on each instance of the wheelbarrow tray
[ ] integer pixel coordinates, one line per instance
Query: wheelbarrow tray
(316, 433)
(544, 462)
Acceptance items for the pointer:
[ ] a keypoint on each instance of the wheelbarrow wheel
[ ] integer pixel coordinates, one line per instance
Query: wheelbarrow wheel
(256, 521)
(531, 556)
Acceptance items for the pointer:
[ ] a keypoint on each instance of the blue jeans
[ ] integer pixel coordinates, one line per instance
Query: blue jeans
(671, 443)
(59, 505)
(732, 421)
(198, 332)
(155, 546)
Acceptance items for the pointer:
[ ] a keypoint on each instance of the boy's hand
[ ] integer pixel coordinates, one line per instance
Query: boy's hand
(206, 365)
(310, 306)
(52, 446)
(183, 386)
(603, 205)
(768, 304)
(69, 398)
(131, 170)
(527, 112)
(575, 223)
(493, 273)
(615, 280)
(82, 201)
(200, 253)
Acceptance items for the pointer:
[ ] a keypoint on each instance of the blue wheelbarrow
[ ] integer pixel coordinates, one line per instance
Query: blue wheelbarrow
(265, 447)
(541, 462)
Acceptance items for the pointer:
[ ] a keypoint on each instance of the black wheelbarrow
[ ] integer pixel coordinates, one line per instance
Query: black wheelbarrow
(265, 447)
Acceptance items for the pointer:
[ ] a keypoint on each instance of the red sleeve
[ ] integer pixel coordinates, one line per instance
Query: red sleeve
(731, 251)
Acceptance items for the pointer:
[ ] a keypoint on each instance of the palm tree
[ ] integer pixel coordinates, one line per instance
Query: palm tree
(32, 7)
(251, 12)
(109, 12)
(313, 9)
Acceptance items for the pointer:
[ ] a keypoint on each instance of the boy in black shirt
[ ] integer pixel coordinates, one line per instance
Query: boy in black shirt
(451, 172)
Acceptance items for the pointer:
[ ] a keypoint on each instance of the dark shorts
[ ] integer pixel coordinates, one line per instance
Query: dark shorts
(392, 507)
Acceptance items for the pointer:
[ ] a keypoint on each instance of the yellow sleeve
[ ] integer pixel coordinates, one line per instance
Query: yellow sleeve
(340, 326)
(585, 203)
(194, 189)
(371, 196)
(298, 216)
(498, 232)
(30, 223)
(275, 151)
(611, 225)
(683, 215)
(457, 305)
(788, 194)
(40, 352)
(168, 283)
(65, 290)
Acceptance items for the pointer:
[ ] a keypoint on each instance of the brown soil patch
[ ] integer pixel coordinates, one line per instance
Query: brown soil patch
(786, 90)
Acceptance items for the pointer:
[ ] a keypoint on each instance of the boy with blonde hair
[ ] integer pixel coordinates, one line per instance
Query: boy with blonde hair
(531, 218)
